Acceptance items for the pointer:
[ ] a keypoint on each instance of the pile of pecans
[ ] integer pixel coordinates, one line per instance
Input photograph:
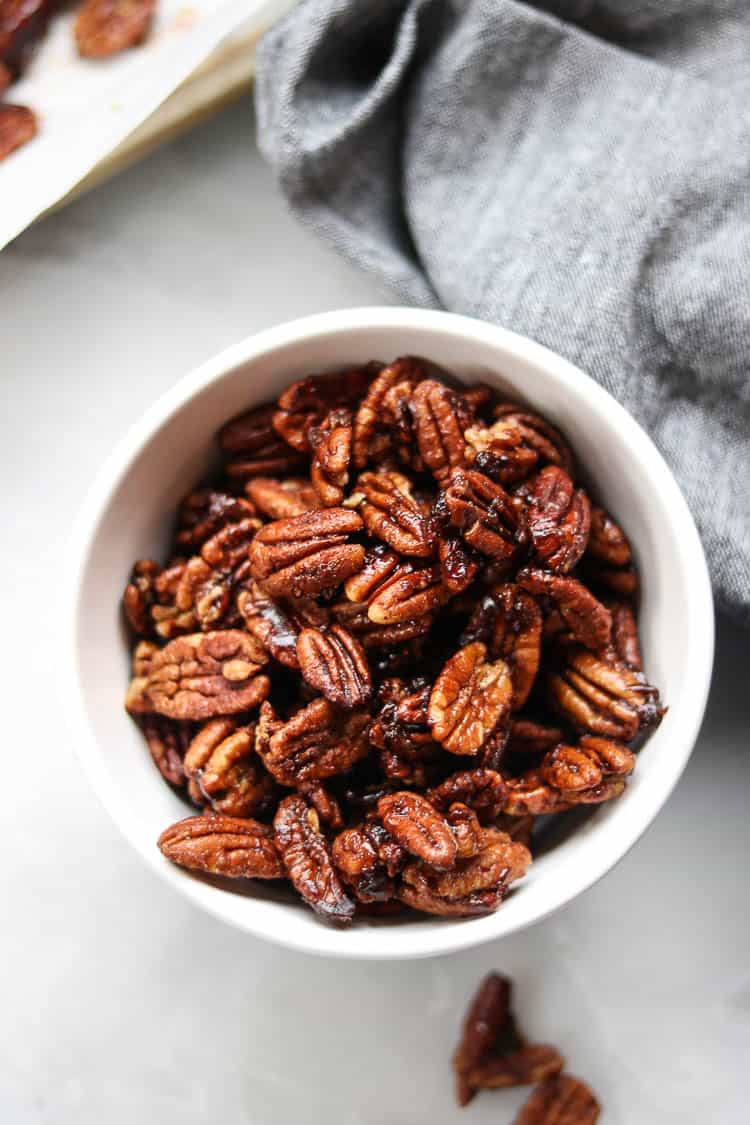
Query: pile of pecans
(393, 633)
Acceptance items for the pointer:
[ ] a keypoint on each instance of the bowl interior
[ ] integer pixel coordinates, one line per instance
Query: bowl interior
(128, 517)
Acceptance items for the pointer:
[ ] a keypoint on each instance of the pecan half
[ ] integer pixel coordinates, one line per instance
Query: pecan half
(482, 790)
(224, 771)
(307, 554)
(305, 403)
(559, 518)
(469, 699)
(530, 795)
(316, 742)
(379, 563)
(408, 594)
(331, 444)
(18, 125)
(440, 417)
(382, 420)
(390, 513)
(136, 698)
(486, 1018)
(282, 499)
(207, 674)
(334, 662)
(530, 1063)
(105, 27)
(458, 565)
(625, 641)
(168, 619)
(608, 560)
(277, 623)
(140, 595)
(537, 434)
(587, 764)
(419, 828)
(324, 803)
(589, 621)
(167, 742)
(223, 845)
(489, 519)
(252, 447)
(509, 621)
(500, 452)
(367, 860)
(207, 583)
(466, 829)
(307, 859)
(527, 736)
(599, 696)
(204, 512)
(356, 621)
(561, 1100)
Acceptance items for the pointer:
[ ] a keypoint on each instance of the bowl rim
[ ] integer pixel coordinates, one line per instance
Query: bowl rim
(452, 935)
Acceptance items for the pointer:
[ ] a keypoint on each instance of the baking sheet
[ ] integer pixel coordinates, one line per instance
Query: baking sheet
(87, 107)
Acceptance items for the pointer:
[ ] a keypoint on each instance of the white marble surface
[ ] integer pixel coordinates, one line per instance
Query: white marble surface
(121, 1003)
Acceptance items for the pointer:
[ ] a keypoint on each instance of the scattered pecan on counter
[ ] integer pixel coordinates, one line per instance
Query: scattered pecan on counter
(392, 631)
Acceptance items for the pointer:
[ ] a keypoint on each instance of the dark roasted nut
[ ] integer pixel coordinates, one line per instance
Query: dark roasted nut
(589, 621)
(106, 27)
(489, 519)
(587, 764)
(473, 886)
(305, 403)
(223, 845)
(537, 434)
(401, 732)
(458, 565)
(485, 1021)
(252, 448)
(440, 418)
(359, 858)
(419, 828)
(558, 517)
(207, 674)
(509, 622)
(382, 422)
(316, 742)
(282, 499)
(466, 829)
(408, 594)
(331, 444)
(483, 790)
(324, 803)
(224, 771)
(530, 795)
(167, 742)
(528, 1064)
(500, 452)
(17, 126)
(608, 560)
(469, 700)
(277, 622)
(561, 1100)
(379, 564)
(530, 737)
(334, 662)
(140, 595)
(209, 581)
(603, 697)
(201, 514)
(307, 554)
(390, 513)
(356, 621)
(307, 859)
(625, 640)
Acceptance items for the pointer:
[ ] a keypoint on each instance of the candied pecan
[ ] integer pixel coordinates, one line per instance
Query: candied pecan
(207, 674)
(440, 417)
(530, 737)
(277, 623)
(168, 619)
(466, 829)
(18, 125)
(167, 742)
(558, 517)
(528, 1064)
(608, 560)
(22, 24)
(359, 856)
(537, 434)
(587, 764)
(333, 661)
(378, 565)
(499, 452)
(473, 886)
(378, 424)
(509, 622)
(408, 594)
(469, 699)
(479, 398)
(223, 845)
(140, 595)
(136, 699)
(305, 403)
(530, 795)
(356, 621)
(106, 27)
(489, 519)
(208, 581)
(458, 566)
(625, 640)
(307, 859)
(599, 696)
(282, 499)
(253, 448)
(324, 803)
(318, 741)
(589, 621)
(483, 790)
(308, 554)
(560, 1100)
(331, 444)
(225, 772)
(390, 513)
(201, 514)
(486, 1019)
(419, 828)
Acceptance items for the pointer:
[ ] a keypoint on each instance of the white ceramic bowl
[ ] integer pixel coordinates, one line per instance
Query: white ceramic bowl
(128, 514)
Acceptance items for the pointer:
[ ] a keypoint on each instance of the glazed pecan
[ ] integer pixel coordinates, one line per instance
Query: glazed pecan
(367, 860)
(379, 564)
(538, 435)
(208, 582)
(381, 424)
(509, 621)
(277, 622)
(201, 514)
(169, 620)
(282, 499)
(307, 554)
(331, 444)
(252, 447)
(356, 621)
(167, 742)
(486, 1020)
(324, 803)
(483, 790)
(489, 519)
(440, 417)
(458, 565)
(307, 859)
(224, 771)
(608, 560)
(333, 661)
(500, 452)
(558, 517)
(531, 795)
(560, 1100)
(106, 27)
(473, 886)
(390, 513)
(469, 699)
(317, 742)
(466, 829)
(140, 595)
(528, 1064)
(136, 698)
(223, 845)
(625, 640)
(527, 736)
(407, 595)
(305, 403)
(18, 125)
(587, 764)
(419, 828)
(603, 697)
(589, 622)
(207, 674)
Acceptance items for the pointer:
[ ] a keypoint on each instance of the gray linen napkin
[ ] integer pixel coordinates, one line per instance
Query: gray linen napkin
(576, 170)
